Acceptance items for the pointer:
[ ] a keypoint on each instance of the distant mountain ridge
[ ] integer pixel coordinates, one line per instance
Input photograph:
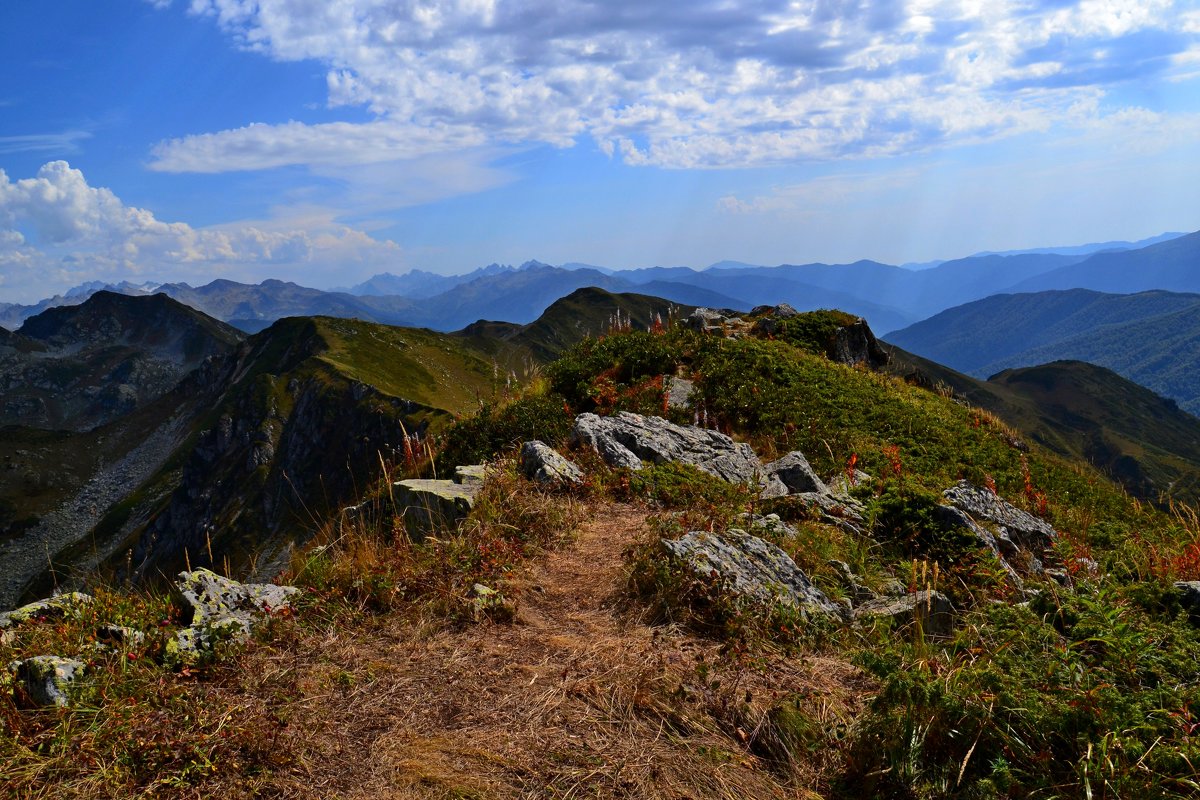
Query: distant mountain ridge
(889, 297)
(1152, 338)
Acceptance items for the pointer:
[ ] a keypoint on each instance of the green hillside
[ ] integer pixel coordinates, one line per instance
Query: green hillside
(1089, 413)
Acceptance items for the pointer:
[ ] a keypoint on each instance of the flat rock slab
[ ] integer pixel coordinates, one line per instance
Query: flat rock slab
(48, 680)
(430, 506)
(470, 473)
(752, 568)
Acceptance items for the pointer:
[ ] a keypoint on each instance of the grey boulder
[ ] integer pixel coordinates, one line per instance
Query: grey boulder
(932, 610)
(544, 464)
(627, 440)
(1025, 530)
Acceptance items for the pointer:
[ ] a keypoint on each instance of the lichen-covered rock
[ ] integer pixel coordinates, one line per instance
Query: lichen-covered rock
(626, 440)
(488, 603)
(841, 484)
(56, 607)
(932, 610)
(48, 680)
(1026, 531)
(119, 636)
(432, 505)
(751, 568)
(542, 463)
(796, 473)
(219, 609)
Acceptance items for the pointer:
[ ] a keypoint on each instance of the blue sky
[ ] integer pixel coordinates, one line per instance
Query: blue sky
(324, 142)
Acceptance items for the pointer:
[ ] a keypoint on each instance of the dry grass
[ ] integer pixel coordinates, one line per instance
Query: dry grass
(576, 698)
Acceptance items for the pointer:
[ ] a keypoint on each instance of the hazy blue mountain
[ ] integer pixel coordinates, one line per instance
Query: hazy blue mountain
(1173, 265)
(419, 284)
(1087, 249)
(1152, 338)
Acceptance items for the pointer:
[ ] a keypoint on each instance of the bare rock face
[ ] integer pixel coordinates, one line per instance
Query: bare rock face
(855, 344)
(752, 568)
(626, 440)
(542, 463)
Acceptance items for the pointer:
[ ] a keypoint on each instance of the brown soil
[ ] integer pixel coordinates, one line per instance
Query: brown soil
(577, 697)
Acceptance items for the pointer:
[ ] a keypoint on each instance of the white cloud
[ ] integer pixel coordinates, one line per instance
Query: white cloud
(55, 230)
(701, 84)
(65, 142)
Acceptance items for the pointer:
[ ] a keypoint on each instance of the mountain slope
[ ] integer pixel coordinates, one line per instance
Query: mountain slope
(1173, 265)
(1082, 411)
(1152, 338)
(83, 365)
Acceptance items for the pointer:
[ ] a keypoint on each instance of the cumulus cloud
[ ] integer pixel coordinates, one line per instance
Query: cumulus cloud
(700, 84)
(56, 229)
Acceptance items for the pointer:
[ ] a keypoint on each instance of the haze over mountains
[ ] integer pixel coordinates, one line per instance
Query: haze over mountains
(889, 297)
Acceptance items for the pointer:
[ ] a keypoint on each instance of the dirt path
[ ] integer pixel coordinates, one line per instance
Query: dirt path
(576, 698)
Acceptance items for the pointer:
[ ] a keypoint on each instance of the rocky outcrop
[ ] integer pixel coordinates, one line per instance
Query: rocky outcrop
(1017, 534)
(855, 344)
(48, 680)
(750, 568)
(218, 609)
(794, 472)
(433, 505)
(76, 367)
(1001, 546)
(626, 440)
(932, 610)
(542, 463)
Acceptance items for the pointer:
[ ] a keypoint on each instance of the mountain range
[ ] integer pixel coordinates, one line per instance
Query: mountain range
(889, 297)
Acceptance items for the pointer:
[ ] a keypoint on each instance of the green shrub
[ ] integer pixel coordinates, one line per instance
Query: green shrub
(495, 429)
(1082, 695)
